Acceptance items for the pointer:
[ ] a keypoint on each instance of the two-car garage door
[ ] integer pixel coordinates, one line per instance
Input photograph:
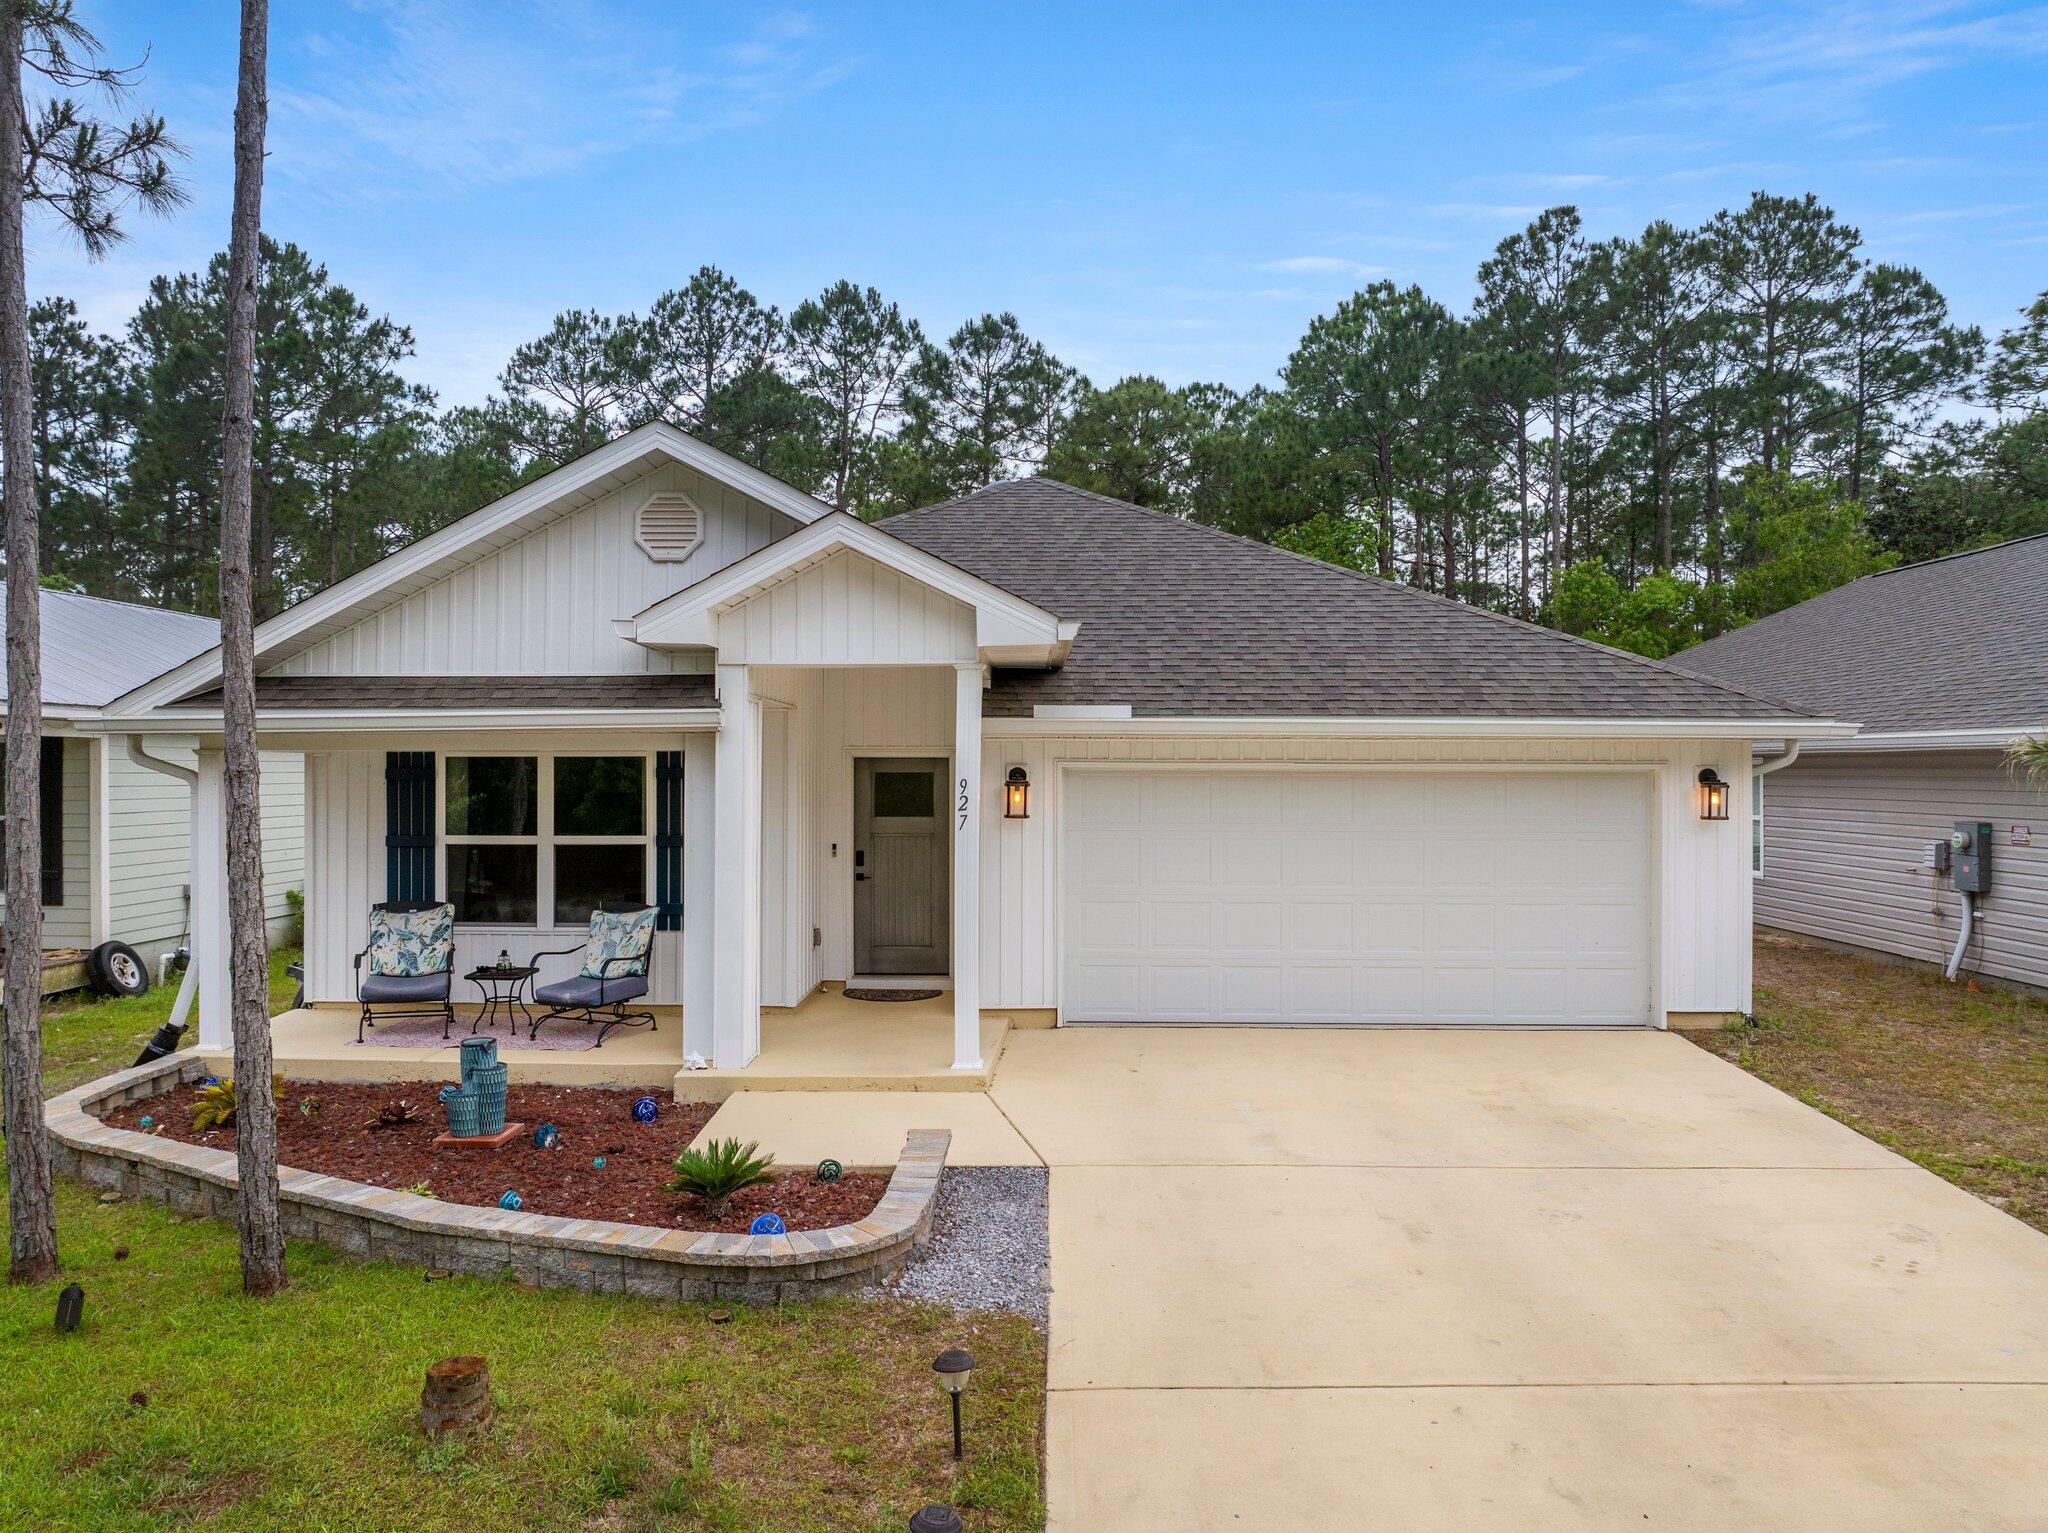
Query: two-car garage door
(1311, 896)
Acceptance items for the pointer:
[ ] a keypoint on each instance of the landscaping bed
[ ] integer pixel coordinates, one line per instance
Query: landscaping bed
(327, 1127)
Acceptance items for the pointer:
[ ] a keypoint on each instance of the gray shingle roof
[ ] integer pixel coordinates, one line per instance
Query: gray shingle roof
(94, 649)
(1954, 643)
(654, 690)
(1181, 620)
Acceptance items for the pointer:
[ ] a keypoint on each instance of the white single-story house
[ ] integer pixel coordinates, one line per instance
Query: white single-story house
(1945, 665)
(1065, 759)
(116, 819)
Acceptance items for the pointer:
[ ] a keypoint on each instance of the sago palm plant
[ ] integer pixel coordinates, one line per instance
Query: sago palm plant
(722, 1168)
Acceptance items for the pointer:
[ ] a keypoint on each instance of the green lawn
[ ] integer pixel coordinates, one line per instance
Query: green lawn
(299, 1412)
(85, 1036)
(1953, 1078)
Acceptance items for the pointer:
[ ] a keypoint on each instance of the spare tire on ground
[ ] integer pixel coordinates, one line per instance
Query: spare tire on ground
(115, 968)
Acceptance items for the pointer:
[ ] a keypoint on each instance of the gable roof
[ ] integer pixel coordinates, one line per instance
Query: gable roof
(558, 493)
(94, 649)
(1182, 620)
(1004, 621)
(1954, 643)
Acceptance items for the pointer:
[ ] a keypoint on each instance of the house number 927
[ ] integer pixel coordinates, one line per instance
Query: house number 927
(963, 803)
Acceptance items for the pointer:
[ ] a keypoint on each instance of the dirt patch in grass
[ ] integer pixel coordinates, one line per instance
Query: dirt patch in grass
(327, 1128)
(1952, 1077)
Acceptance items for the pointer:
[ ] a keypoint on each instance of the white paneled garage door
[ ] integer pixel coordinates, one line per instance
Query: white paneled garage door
(1494, 899)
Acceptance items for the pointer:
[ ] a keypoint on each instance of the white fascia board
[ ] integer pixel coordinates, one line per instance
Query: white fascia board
(1433, 727)
(1002, 619)
(507, 511)
(2000, 738)
(416, 720)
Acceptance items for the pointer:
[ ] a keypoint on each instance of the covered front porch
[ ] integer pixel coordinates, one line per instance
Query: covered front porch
(828, 1042)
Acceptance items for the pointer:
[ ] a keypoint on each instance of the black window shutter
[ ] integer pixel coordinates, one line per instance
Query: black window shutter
(53, 821)
(668, 840)
(409, 825)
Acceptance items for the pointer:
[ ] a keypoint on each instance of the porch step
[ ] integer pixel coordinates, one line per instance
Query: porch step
(848, 1057)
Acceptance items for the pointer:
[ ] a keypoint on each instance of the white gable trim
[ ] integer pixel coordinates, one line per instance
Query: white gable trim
(1008, 629)
(504, 515)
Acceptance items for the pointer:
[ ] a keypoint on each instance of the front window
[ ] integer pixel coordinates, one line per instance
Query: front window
(524, 835)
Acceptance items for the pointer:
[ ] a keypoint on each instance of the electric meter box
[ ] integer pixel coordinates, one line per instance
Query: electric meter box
(1972, 863)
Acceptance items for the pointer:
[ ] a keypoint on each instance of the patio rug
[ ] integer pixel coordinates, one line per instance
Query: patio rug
(425, 1033)
(858, 994)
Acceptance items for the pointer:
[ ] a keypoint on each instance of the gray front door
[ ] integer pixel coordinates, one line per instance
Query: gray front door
(899, 865)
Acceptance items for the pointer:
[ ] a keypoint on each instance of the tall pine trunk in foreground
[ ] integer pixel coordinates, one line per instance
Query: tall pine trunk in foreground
(249, 956)
(32, 1219)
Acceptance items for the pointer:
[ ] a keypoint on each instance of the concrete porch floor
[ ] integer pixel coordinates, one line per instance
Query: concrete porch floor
(318, 1043)
(830, 1043)
(827, 1043)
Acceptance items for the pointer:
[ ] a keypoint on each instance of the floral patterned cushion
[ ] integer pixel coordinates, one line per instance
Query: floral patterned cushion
(412, 941)
(618, 934)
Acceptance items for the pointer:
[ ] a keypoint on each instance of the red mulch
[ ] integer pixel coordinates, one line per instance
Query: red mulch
(334, 1139)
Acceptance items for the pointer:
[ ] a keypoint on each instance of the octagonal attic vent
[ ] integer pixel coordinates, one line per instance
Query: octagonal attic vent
(669, 526)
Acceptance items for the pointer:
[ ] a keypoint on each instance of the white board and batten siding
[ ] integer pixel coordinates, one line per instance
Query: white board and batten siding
(1675, 939)
(345, 825)
(1843, 838)
(545, 603)
(847, 609)
(150, 846)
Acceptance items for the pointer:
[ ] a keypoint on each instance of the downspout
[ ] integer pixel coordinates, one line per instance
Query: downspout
(188, 982)
(1778, 763)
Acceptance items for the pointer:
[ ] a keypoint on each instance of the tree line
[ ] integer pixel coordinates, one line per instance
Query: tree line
(1646, 440)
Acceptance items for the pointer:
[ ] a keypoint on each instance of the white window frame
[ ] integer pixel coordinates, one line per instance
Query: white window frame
(545, 841)
(1756, 825)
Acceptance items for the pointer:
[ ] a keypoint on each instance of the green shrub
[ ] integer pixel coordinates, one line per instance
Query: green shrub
(216, 1107)
(720, 1169)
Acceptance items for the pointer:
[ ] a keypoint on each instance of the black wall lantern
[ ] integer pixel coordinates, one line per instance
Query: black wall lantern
(1713, 795)
(1017, 795)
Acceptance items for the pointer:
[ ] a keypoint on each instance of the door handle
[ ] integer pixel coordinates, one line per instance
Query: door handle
(860, 878)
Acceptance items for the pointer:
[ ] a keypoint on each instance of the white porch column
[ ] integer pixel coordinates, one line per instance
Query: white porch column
(736, 906)
(700, 893)
(966, 807)
(209, 878)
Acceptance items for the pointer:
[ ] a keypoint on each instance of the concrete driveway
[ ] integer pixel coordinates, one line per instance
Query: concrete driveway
(1455, 1280)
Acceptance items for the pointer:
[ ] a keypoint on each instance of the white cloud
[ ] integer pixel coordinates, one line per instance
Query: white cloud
(458, 96)
(1321, 266)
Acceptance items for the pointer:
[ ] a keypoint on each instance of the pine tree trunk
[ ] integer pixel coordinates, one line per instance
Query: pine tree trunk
(31, 1209)
(249, 958)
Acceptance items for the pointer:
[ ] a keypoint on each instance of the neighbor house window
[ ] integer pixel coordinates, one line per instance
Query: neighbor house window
(1756, 822)
(542, 840)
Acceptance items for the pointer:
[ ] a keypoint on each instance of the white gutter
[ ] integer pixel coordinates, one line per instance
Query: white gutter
(333, 720)
(1433, 726)
(1999, 738)
(1779, 762)
(188, 982)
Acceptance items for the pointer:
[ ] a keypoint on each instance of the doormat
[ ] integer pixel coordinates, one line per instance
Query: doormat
(893, 995)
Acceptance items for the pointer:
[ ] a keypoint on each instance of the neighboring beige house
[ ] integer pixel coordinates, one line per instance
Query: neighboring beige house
(116, 821)
(1043, 750)
(1944, 664)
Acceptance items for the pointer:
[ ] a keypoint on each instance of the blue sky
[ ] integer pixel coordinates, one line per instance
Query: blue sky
(1175, 189)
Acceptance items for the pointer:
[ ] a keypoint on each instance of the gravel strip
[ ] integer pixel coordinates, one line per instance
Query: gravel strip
(988, 1248)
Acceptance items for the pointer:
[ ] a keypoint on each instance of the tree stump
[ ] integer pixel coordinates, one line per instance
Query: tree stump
(457, 1399)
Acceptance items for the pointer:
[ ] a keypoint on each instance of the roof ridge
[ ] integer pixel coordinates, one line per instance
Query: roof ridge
(1960, 553)
(1368, 577)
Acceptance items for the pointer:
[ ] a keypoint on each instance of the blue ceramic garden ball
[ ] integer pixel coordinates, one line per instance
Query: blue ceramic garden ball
(767, 1224)
(511, 1201)
(598, 1164)
(645, 1109)
(546, 1137)
(147, 1123)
